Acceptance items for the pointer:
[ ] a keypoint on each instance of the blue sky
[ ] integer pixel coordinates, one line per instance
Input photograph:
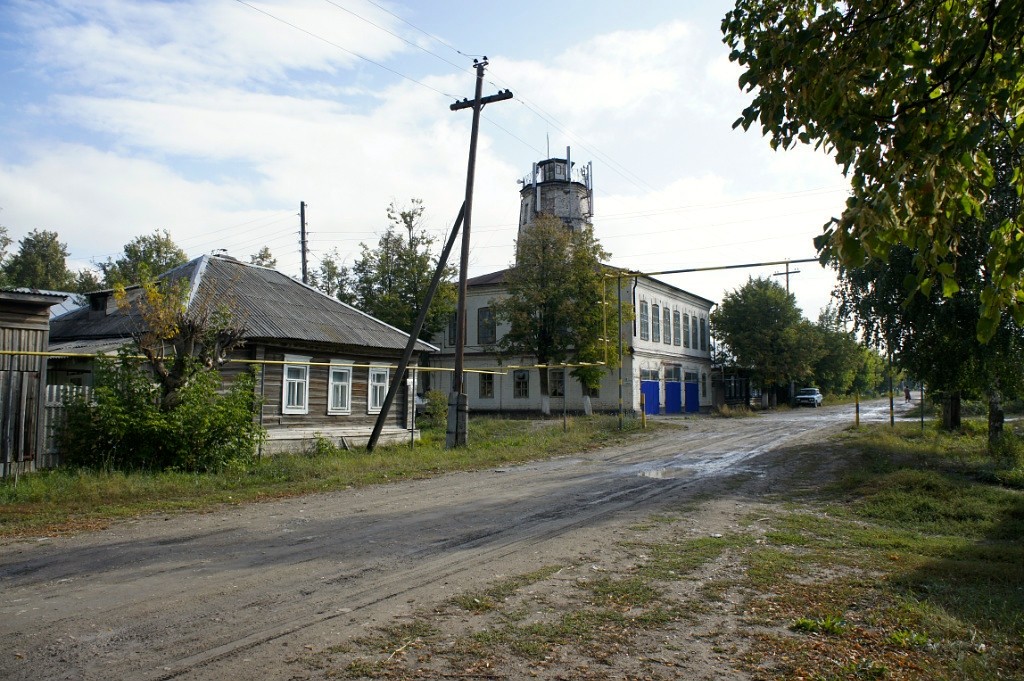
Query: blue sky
(213, 119)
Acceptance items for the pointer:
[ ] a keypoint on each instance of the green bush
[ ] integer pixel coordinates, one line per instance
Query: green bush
(435, 413)
(125, 427)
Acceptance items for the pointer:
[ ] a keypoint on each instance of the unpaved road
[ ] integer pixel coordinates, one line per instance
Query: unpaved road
(237, 592)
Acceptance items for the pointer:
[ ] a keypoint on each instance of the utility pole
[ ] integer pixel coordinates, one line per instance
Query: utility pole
(786, 273)
(302, 240)
(458, 406)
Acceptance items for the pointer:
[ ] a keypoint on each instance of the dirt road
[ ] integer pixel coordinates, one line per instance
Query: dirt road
(237, 592)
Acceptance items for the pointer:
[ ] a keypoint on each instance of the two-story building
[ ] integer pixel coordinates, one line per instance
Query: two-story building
(666, 347)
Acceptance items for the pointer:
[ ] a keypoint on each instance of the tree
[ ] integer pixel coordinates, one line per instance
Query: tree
(144, 256)
(765, 332)
(841, 355)
(554, 303)
(390, 282)
(908, 96)
(40, 263)
(924, 334)
(180, 338)
(333, 278)
(263, 258)
(86, 280)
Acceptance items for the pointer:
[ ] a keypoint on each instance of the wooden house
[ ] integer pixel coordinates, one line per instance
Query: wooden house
(325, 366)
(24, 333)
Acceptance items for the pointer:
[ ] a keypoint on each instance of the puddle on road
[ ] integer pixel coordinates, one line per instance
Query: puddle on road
(688, 467)
(665, 473)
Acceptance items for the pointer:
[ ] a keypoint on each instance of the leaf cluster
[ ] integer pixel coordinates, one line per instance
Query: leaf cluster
(126, 426)
(555, 306)
(908, 96)
(390, 281)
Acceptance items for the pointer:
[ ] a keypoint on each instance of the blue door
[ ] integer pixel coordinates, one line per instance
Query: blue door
(673, 397)
(650, 390)
(692, 398)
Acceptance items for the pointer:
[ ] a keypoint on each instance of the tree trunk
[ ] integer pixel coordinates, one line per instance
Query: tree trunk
(951, 411)
(588, 408)
(995, 416)
(545, 396)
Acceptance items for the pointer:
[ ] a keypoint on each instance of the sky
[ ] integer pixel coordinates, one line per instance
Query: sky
(214, 119)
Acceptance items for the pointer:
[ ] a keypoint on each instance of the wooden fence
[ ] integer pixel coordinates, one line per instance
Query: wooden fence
(53, 420)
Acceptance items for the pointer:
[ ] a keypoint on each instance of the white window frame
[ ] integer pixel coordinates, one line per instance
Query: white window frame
(295, 363)
(372, 405)
(339, 367)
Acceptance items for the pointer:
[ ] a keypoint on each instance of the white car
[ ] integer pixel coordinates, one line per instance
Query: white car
(809, 396)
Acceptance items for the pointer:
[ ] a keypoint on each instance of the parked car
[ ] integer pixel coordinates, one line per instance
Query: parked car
(809, 396)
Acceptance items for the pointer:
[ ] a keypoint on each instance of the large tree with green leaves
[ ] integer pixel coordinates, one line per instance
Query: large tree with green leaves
(908, 96)
(390, 281)
(144, 256)
(40, 263)
(926, 334)
(554, 305)
(333, 278)
(765, 332)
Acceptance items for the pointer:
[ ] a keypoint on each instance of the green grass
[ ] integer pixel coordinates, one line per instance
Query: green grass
(71, 500)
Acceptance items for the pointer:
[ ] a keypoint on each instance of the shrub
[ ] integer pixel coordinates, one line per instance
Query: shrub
(124, 426)
(435, 413)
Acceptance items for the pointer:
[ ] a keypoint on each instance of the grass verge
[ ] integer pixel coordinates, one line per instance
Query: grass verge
(65, 500)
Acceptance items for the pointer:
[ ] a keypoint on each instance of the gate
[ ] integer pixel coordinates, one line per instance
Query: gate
(692, 398)
(650, 391)
(673, 397)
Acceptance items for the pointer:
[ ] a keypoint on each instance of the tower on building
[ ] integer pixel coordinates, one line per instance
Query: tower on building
(555, 187)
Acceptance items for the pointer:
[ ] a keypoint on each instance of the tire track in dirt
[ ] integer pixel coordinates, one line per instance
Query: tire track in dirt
(206, 596)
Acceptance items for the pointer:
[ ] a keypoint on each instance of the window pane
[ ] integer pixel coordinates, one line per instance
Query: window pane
(655, 323)
(645, 332)
(667, 319)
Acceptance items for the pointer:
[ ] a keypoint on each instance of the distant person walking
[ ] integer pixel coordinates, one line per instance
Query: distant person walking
(906, 394)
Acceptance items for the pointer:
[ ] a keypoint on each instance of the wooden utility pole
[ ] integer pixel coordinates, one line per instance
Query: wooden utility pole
(458, 406)
(302, 240)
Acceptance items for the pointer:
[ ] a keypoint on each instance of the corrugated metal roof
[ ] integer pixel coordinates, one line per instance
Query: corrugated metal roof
(269, 304)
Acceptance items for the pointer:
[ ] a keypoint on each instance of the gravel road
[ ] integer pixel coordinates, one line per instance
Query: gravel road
(239, 591)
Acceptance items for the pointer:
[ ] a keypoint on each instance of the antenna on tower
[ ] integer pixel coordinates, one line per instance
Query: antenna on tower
(547, 135)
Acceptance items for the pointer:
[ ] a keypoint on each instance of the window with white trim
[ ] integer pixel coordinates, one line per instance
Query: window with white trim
(645, 329)
(655, 323)
(703, 334)
(339, 388)
(686, 330)
(676, 333)
(295, 385)
(377, 389)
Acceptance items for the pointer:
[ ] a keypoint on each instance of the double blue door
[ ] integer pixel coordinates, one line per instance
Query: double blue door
(651, 392)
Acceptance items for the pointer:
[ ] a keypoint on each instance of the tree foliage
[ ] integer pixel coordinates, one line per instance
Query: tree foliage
(179, 338)
(144, 256)
(333, 278)
(766, 333)
(125, 425)
(40, 263)
(555, 303)
(908, 96)
(926, 333)
(390, 282)
(263, 258)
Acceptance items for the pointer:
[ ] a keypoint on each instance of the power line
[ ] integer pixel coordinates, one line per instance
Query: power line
(345, 49)
(392, 33)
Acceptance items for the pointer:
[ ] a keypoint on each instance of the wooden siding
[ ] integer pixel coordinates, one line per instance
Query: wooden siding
(270, 385)
(19, 420)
